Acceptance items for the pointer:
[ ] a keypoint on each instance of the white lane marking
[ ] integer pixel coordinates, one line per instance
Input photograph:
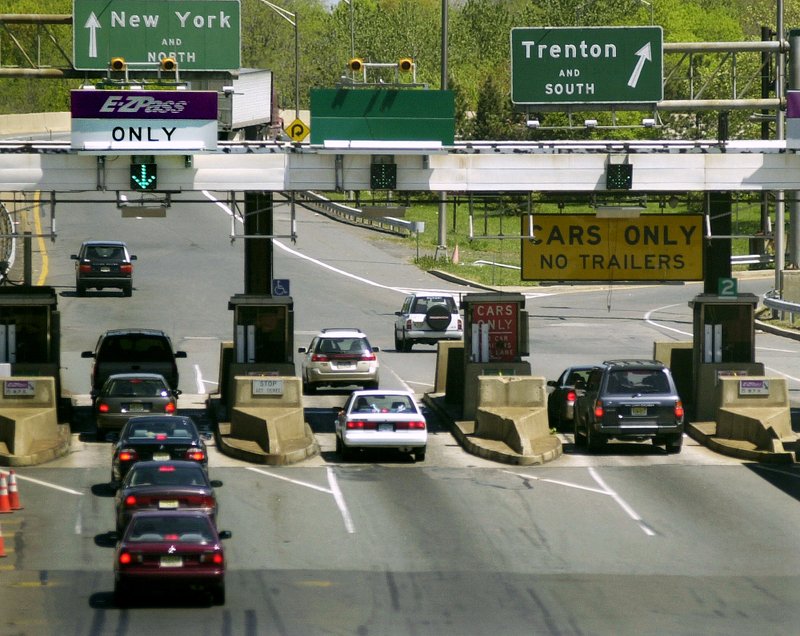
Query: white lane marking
(659, 325)
(558, 482)
(296, 482)
(340, 502)
(622, 503)
(334, 491)
(48, 485)
(199, 384)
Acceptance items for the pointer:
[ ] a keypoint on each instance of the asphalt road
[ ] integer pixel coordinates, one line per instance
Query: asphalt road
(630, 541)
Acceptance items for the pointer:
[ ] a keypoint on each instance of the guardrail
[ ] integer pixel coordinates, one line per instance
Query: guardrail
(782, 306)
(318, 203)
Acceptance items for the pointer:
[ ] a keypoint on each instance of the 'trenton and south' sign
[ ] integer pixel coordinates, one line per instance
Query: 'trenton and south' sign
(126, 120)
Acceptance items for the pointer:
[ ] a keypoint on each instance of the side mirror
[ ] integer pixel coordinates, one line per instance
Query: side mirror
(552, 383)
(225, 534)
(216, 483)
(398, 313)
(133, 257)
(301, 350)
(177, 392)
(180, 354)
(87, 354)
(376, 349)
(74, 257)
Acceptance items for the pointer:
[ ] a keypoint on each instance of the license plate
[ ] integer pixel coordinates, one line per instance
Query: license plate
(639, 411)
(161, 457)
(105, 269)
(345, 365)
(171, 561)
(136, 406)
(386, 427)
(168, 504)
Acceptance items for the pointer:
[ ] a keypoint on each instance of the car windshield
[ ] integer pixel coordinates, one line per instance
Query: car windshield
(105, 251)
(136, 387)
(170, 528)
(637, 381)
(423, 304)
(384, 404)
(159, 430)
(349, 346)
(166, 475)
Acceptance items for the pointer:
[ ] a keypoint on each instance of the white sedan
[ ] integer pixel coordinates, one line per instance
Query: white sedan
(381, 419)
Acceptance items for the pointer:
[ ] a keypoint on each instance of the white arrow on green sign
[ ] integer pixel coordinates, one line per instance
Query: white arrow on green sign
(201, 35)
(586, 65)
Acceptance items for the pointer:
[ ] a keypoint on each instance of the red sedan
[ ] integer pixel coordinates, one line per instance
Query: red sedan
(164, 550)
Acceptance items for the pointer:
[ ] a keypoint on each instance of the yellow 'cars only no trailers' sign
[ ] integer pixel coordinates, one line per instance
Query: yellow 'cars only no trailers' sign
(585, 247)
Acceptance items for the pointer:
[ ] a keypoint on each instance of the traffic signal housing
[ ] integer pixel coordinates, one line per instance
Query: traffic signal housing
(144, 176)
(118, 64)
(405, 64)
(356, 64)
(168, 64)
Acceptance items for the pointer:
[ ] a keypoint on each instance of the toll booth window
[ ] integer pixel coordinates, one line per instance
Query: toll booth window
(24, 335)
(265, 332)
(736, 332)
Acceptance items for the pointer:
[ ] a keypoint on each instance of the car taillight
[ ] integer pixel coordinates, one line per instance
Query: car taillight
(103, 407)
(360, 425)
(571, 396)
(679, 410)
(409, 324)
(369, 356)
(415, 425)
(85, 268)
(319, 357)
(169, 408)
(212, 557)
(126, 268)
(195, 454)
(200, 501)
(460, 324)
(130, 501)
(127, 455)
(125, 558)
(598, 409)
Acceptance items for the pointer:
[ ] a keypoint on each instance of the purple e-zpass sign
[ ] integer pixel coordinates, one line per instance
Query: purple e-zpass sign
(144, 120)
(793, 119)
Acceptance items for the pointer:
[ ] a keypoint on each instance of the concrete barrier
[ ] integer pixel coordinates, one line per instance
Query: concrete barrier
(513, 410)
(755, 410)
(29, 428)
(267, 421)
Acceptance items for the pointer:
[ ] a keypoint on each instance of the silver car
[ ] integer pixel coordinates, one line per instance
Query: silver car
(339, 357)
(127, 395)
(381, 419)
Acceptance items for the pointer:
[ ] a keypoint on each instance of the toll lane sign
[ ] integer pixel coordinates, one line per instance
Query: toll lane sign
(583, 247)
(202, 35)
(586, 65)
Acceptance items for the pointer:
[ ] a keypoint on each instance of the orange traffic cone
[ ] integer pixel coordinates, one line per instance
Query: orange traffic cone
(13, 492)
(2, 544)
(5, 503)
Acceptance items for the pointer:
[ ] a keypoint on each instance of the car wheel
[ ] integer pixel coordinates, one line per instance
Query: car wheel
(344, 452)
(218, 594)
(309, 389)
(371, 385)
(121, 596)
(580, 440)
(594, 440)
(674, 444)
(407, 344)
(127, 290)
(438, 317)
(398, 345)
(80, 290)
(419, 455)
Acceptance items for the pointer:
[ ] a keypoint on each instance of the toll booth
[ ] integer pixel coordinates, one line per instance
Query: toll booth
(30, 332)
(724, 345)
(495, 341)
(263, 339)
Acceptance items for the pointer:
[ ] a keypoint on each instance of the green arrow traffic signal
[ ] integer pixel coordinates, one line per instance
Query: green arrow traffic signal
(144, 176)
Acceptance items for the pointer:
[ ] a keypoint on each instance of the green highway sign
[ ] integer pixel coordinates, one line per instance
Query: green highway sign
(586, 65)
(200, 35)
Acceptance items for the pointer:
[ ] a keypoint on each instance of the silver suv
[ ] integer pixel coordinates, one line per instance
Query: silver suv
(339, 357)
(427, 318)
